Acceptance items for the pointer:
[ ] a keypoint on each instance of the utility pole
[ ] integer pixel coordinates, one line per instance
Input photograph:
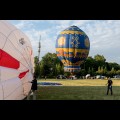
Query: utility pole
(34, 92)
(39, 46)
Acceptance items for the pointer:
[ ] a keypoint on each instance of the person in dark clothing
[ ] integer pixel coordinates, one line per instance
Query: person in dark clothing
(33, 88)
(34, 84)
(109, 87)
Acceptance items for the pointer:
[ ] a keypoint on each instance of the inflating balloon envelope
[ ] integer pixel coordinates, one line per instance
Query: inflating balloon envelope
(72, 48)
(16, 63)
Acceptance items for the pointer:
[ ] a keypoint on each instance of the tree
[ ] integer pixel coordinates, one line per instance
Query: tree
(89, 71)
(89, 63)
(41, 69)
(118, 72)
(82, 72)
(112, 72)
(105, 70)
(59, 69)
(115, 65)
(93, 72)
(100, 60)
(51, 66)
(67, 74)
(99, 70)
(102, 70)
(48, 65)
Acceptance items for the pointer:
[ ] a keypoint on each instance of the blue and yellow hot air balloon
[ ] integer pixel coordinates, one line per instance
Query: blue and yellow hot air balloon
(72, 48)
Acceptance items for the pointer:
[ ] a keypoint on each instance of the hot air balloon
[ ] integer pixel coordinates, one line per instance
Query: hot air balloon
(72, 48)
(16, 63)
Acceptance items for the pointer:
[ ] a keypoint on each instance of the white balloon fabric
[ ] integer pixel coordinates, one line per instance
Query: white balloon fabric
(16, 63)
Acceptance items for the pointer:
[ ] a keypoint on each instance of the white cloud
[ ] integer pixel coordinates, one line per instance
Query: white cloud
(104, 35)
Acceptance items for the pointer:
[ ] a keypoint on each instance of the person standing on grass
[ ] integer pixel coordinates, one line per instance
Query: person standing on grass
(109, 87)
(33, 88)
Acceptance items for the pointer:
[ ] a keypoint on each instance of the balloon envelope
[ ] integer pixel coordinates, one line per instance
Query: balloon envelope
(72, 48)
(16, 63)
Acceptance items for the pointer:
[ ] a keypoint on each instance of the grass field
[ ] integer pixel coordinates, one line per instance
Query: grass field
(90, 89)
(82, 82)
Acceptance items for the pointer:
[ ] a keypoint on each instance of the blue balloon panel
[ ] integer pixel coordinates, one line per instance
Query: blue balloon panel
(72, 48)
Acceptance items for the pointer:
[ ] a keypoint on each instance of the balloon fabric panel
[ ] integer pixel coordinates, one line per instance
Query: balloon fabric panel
(16, 60)
(72, 48)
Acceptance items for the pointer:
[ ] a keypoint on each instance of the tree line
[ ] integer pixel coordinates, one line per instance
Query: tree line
(50, 66)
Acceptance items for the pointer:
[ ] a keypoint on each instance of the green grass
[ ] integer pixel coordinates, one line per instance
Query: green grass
(76, 93)
(92, 89)
(81, 82)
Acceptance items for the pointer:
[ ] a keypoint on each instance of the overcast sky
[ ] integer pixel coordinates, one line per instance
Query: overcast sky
(104, 35)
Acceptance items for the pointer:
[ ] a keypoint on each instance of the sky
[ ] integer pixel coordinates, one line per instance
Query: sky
(104, 35)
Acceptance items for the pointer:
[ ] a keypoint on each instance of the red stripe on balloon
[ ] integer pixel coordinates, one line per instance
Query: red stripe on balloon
(21, 75)
(8, 61)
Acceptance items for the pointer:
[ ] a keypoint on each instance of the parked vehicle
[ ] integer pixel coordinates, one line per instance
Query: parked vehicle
(61, 77)
(87, 76)
(100, 77)
(74, 77)
(117, 76)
